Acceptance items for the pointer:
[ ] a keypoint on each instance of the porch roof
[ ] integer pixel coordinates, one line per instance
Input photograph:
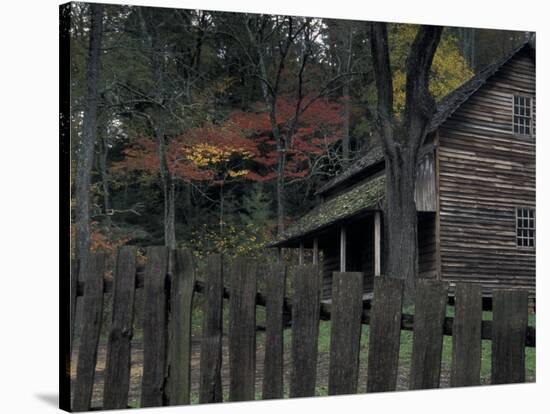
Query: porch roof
(368, 195)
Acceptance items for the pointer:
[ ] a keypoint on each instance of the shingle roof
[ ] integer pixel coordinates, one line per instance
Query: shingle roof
(374, 156)
(368, 195)
(445, 108)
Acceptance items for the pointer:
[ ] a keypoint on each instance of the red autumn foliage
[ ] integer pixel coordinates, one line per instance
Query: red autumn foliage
(245, 143)
(192, 156)
(319, 127)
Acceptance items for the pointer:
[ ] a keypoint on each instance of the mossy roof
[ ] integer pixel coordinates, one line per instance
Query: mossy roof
(372, 157)
(368, 195)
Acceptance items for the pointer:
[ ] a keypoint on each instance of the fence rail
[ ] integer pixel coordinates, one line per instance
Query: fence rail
(168, 305)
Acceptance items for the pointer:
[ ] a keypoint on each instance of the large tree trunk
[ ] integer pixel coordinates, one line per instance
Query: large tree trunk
(402, 137)
(85, 155)
(401, 217)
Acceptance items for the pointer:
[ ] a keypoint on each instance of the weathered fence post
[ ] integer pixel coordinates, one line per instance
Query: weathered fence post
(211, 344)
(92, 311)
(154, 327)
(429, 317)
(345, 332)
(178, 367)
(466, 363)
(242, 330)
(273, 359)
(117, 369)
(305, 331)
(384, 334)
(508, 336)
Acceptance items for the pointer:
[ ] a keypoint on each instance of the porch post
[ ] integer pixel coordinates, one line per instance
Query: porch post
(342, 249)
(315, 250)
(377, 235)
(301, 254)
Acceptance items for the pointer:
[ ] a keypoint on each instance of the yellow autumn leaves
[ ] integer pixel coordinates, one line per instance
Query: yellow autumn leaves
(238, 173)
(204, 155)
(449, 68)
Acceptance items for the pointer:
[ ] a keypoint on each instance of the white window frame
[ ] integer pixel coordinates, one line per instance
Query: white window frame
(530, 228)
(531, 116)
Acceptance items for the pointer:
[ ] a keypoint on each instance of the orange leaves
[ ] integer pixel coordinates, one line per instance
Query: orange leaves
(214, 153)
(218, 144)
(243, 147)
(319, 127)
(251, 122)
(253, 176)
(319, 114)
(220, 149)
(187, 171)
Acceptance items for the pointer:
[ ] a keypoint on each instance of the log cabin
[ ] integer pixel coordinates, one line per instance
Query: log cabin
(475, 191)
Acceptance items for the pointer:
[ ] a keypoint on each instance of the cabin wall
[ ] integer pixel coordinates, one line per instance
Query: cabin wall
(485, 172)
(427, 253)
(425, 194)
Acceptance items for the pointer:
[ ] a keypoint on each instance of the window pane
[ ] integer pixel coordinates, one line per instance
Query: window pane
(525, 227)
(522, 115)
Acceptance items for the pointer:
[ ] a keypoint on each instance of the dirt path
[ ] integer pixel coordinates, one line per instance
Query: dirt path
(137, 370)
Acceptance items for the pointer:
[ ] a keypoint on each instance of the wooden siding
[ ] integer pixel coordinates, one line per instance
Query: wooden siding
(485, 172)
(427, 265)
(425, 195)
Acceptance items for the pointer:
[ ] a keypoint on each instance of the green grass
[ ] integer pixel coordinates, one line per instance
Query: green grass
(405, 352)
(530, 353)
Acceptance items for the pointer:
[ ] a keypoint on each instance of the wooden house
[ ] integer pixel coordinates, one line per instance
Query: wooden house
(475, 191)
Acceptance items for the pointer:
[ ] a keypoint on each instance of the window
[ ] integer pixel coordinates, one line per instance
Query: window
(525, 227)
(523, 115)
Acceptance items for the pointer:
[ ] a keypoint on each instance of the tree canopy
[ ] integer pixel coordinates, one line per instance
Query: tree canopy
(214, 129)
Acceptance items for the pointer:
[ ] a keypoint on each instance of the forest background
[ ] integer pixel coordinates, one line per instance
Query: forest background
(213, 130)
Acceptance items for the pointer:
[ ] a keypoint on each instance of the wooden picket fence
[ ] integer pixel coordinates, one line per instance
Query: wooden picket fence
(168, 300)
